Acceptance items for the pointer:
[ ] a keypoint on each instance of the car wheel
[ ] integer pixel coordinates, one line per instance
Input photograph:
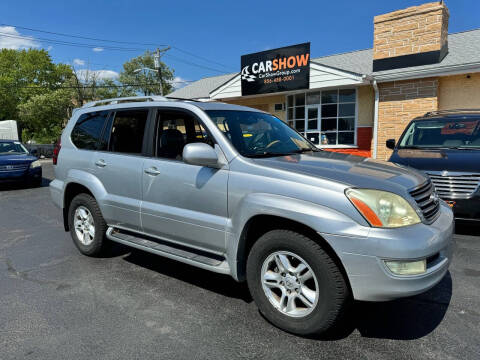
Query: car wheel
(87, 226)
(37, 182)
(296, 285)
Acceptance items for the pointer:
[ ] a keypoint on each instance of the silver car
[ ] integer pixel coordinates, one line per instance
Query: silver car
(237, 191)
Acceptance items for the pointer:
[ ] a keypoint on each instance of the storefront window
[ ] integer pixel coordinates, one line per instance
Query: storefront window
(327, 118)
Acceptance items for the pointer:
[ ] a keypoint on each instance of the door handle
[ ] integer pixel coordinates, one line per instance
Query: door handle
(101, 163)
(152, 171)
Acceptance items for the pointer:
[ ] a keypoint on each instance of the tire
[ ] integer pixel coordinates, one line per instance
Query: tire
(322, 316)
(37, 182)
(93, 244)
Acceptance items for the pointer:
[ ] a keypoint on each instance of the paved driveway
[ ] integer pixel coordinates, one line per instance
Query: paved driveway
(58, 304)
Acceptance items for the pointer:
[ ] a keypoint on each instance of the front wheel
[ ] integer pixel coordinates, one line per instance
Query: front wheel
(296, 284)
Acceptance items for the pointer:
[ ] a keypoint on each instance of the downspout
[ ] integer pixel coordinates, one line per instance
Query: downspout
(375, 119)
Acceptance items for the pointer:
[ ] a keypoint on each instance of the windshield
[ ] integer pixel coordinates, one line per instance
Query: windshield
(256, 134)
(442, 133)
(12, 147)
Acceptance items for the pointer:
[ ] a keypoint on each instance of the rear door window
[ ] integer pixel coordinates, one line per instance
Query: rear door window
(127, 131)
(88, 129)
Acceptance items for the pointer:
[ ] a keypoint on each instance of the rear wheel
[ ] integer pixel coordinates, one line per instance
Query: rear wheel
(296, 284)
(87, 226)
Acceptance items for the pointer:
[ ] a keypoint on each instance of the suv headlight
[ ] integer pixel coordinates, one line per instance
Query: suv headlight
(383, 208)
(35, 164)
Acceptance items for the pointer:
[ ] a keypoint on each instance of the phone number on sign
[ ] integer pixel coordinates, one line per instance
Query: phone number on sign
(279, 79)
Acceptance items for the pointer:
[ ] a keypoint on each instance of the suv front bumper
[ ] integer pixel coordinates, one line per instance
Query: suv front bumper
(364, 257)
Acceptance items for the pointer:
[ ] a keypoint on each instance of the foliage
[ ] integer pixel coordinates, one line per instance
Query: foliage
(109, 89)
(25, 73)
(43, 116)
(88, 87)
(148, 81)
(41, 94)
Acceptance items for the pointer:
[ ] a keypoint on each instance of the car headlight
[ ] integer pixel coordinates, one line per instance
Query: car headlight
(35, 164)
(383, 208)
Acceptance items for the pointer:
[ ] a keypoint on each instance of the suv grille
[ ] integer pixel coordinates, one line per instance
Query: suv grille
(8, 168)
(455, 186)
(428, 204)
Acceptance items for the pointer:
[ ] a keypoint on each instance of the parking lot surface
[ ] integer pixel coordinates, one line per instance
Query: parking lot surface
(56, 303)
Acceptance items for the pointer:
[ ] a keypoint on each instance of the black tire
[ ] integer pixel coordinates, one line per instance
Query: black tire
(37, 182)
(334, 297)
(99, 242)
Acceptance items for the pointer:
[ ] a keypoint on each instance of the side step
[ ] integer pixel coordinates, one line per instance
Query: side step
(181, 253)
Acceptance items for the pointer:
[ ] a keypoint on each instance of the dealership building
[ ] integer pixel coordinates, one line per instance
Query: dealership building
(353, 102)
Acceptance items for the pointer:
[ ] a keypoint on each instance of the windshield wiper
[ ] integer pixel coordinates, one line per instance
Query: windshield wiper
(269, 154)
(463, 148)
(413, 147)
(439, 147)
(300, 151)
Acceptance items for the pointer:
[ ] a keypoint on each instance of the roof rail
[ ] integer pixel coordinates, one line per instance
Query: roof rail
(452, 111)
(181, 99)
(124, 100)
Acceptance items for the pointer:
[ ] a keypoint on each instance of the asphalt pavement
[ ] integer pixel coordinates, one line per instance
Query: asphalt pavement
(58, 304)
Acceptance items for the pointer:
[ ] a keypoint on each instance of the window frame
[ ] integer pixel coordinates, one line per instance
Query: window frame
(154, 130)
(108, 129)
(105, 124)
(305, 132)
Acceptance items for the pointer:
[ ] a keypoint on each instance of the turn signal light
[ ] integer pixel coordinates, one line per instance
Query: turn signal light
(451, 203)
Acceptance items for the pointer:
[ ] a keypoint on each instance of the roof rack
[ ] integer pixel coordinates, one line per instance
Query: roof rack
(181, 99)
(124, 100)
(452, 111)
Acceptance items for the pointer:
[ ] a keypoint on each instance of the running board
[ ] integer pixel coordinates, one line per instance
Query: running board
(199, 258)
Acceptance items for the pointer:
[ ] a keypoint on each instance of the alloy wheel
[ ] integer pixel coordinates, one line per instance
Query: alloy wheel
(290, 284)
(84, 225)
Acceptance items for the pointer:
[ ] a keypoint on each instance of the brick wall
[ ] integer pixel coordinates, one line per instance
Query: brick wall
(413, 30)
(400, 102)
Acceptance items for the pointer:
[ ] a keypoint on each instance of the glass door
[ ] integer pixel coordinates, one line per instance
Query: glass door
(312, 130)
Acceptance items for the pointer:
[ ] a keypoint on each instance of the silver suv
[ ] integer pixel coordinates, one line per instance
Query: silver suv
(237, 191)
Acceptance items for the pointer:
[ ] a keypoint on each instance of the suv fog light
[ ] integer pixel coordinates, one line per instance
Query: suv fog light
(407, 267)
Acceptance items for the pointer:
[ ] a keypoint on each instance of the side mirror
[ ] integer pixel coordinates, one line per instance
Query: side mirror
(200, 154)
(390, 143)
(34, 152)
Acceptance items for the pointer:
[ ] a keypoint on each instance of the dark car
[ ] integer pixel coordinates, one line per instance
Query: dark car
(446, 145)
(17, 164)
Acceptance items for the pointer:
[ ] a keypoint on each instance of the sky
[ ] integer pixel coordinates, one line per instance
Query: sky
(207, 38)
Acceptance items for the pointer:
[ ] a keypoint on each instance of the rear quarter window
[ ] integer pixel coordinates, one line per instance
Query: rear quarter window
(88, 130)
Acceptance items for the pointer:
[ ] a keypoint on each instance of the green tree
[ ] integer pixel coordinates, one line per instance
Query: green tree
(148, 81)
(26, 73)
(44, 115)
(109, 88)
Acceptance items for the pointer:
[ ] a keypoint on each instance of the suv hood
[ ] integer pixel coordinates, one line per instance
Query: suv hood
(16, 159)
(355, 171)
(439, 159)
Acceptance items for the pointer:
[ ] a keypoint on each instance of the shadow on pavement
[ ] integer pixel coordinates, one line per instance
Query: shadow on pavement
(467, 228)
(219, 283)
(20, 185)
(403, 319)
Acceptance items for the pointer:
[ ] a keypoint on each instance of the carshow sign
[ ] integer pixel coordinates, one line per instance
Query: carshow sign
(271, 71)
